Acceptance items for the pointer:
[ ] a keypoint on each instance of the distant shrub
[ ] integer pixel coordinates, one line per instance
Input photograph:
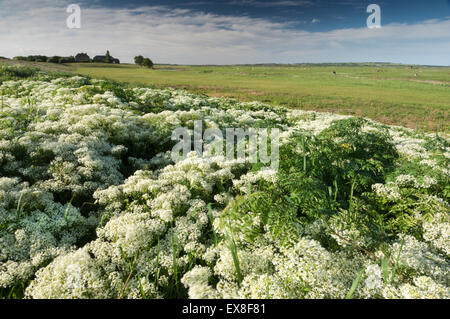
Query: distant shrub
(146, 62)
(20, 58)
(13, 72)
(43, 58)
(69, 59)
(54, 59)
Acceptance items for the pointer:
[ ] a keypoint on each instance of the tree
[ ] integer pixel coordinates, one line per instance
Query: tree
(54, 59)
(65, 59)
(147, 63)
(108, 57)
(37, 58)
(138, 59)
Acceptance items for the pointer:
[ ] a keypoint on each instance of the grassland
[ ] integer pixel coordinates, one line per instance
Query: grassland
(389, 94)
(417, 97)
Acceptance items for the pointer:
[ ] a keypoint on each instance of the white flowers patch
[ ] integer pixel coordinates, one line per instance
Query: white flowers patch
(92, 206)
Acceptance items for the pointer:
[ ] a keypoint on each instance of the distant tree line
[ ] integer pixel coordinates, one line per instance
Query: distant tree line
(146, 62)
(139, 60)
(43, 58)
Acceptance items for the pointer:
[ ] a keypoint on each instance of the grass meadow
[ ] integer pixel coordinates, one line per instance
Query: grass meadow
(417, 97)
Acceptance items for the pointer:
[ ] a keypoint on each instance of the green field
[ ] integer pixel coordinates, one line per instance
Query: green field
(417, 97)
(392, 94)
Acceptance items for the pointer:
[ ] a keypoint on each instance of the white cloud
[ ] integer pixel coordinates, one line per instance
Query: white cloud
(190, 37)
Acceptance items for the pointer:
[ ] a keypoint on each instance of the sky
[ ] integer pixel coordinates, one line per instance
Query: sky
(231, 31)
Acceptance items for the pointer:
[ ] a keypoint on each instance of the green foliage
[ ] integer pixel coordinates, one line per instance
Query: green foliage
(138, 59)
(147, 63)
(107, 57)
(354, 156)
(251, 215)
(15, 73)
(355, 284)
(43, 58)
(234, 253)
(141, 61)
(308, 196)
(342, 158)
(323, 177)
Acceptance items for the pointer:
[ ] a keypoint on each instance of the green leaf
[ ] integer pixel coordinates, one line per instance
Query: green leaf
(384, 267)
(355, 284)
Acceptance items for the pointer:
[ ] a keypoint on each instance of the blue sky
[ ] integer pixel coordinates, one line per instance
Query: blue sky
(331, 14)
(232, 31)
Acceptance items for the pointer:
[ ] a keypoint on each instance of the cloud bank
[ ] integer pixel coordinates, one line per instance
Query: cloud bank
(184, 36)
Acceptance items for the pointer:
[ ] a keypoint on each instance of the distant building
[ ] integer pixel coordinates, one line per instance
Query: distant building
(102, 59)
(82, 57)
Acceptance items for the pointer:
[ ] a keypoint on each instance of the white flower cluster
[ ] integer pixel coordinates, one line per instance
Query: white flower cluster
(91, 205)
(247, 180)
(389, 191)
(35, 229)
(437, 232)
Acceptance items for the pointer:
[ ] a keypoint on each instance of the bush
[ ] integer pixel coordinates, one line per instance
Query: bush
(140, 60)
(147, 63)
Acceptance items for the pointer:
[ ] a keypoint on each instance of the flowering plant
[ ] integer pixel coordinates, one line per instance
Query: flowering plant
(92, 205)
